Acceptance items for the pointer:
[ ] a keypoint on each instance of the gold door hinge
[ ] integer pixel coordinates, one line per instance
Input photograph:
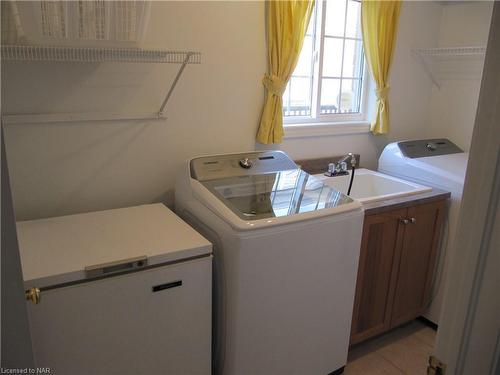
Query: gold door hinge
(33, 295)
(436, 367)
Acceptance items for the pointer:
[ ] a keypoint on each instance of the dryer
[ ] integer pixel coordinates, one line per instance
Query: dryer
(286, 256)
(440, 164)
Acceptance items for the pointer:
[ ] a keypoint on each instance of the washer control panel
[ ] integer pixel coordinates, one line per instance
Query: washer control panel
(428, 147)
(230, 165)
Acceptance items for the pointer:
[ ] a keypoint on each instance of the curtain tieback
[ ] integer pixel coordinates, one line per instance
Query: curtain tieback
(274, 84)
(382, 93)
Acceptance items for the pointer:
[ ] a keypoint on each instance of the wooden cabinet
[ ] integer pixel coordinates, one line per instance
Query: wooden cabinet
(396, 267)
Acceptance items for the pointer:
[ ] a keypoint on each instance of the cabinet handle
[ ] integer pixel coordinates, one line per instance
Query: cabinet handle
(404, 221)
(33, 295)
(413, 220)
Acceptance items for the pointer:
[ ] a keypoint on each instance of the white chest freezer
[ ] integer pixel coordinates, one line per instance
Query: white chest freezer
(125, 291)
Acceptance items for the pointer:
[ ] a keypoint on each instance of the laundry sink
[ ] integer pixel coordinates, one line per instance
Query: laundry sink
(371, 186)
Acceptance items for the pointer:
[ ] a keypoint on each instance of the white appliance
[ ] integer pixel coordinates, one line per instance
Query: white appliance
(125, 291)
(286, 249)
(437, 163)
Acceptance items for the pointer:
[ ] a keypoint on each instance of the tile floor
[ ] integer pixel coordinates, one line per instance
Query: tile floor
(405, 350)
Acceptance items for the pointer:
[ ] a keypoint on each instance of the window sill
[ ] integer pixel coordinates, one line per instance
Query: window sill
(306, 130)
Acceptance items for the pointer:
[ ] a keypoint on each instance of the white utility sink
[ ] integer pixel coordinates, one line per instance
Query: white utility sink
(371, 186)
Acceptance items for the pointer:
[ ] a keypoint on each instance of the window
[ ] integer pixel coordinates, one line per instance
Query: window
(327, 84)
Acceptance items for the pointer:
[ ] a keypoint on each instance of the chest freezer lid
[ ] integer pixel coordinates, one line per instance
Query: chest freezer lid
(57, 250)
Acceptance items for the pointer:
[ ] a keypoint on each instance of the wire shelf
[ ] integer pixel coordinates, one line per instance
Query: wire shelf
(96, 55)
(451, 62)
(451, 51)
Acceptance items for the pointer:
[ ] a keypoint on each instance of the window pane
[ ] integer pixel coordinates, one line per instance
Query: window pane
(300, 97)
(304, 65)
(330, 89)
(332, 57)
(311, 28)
(352, 59)
(335, 17)
(350, 97)
(353, 24)
(297, 96)
(286, 100)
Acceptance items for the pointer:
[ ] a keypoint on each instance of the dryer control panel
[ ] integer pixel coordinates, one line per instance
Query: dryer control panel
(428, 147)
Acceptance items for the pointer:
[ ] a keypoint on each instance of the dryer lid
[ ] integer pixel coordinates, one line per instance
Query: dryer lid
(452, 166)
(444, 171)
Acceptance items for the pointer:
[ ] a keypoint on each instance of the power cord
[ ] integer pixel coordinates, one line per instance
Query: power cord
(352, 179)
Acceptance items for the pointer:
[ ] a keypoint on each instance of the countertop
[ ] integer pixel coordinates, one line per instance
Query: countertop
(372, 208)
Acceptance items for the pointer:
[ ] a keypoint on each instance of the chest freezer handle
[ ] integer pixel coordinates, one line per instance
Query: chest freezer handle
(173, 284)
(117, 266)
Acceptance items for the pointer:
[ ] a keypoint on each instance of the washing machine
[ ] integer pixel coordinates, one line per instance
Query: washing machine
(286, 249)
(437, 163)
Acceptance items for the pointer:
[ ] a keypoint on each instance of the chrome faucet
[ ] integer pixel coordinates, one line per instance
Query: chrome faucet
(339, 168)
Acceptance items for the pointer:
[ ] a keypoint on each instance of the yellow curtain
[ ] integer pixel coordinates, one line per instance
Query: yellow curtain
(379, 23)
(286, 27)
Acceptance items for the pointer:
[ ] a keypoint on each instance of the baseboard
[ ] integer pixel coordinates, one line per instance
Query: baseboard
(428, 323)
(337, 371)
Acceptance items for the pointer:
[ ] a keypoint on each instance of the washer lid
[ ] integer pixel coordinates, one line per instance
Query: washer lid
(275, 195)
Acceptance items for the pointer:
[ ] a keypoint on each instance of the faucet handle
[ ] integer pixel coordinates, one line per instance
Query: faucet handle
(331, 167)
(353, 159)
(342, 166)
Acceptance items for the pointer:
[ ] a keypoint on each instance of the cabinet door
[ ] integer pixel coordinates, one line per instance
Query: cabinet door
(418, 260)
(382, 236)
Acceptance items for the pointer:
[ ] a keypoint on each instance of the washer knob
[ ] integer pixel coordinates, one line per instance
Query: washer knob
(431, 146)
(246, 163)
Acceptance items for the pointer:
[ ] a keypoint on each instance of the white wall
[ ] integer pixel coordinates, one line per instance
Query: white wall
(59, 169)
(74, 167)
(453, 105)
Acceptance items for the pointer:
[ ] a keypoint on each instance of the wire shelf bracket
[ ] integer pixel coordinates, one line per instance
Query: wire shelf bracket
(430, 57)
(96, 55)
(161, 112)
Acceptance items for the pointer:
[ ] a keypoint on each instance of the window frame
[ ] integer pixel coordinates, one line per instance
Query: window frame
(345, 119)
